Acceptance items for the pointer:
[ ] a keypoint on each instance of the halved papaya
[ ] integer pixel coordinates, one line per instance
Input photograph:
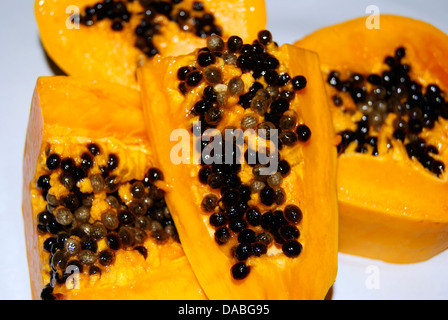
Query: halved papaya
(96, 224)
(387, 91)
(108, 39)
(249, 157)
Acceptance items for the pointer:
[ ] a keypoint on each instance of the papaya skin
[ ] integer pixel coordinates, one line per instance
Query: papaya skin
(102, 54)
(272, 276)
(67, 113)
(390, 207)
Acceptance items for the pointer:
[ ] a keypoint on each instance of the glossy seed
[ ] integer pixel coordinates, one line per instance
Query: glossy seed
(257, 186)
(63, 216)
(292, 248)
(289, 232)
(82, 214)
(113, 241)
(154, 174)
(213, 116)
(288, 138)
(86, 160)
(126, 236)
(67, 180)
(182, 73)
(303, 133)
(274, 180)
(280, 196)
(222, 235)
(259, 248)
(193, 78)
(202, 106)
(240, 271)
(298, 83)
(213, 75)
(67, 164)
(287, 121)
(229, 58)
(248, 122)
(110, 220)
(98, 230)
(259, 105)
(215, 43)
(265, 129)
(87, 257)
(235, 86)
(48, 244)
(106, 257)
(246, 236)
(267, 196)
(125, 217)
(94, 149)
(293, 214)
(205, 59)
(72, 246)
(264, 37)
(59, 259)
(237, 225)
(217, 219)
(234, 44)
(137, 189)
(137, 207)
(52, 200)
(112, 162)
(280, 106)
(53, 161)
(111, 183)
(209, 203)
(97, 182)
(242, 251)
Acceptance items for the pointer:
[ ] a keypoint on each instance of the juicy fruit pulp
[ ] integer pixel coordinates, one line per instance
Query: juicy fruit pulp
(247, 234)
(389, 108)
(118, 36)
(97, 225)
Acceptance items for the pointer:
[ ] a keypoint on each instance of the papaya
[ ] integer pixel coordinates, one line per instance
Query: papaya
(248, 152)
(387, 93)
(96, 223)
(108, 39)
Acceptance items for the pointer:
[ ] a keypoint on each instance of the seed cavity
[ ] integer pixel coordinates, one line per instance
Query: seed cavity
(196, 20)
(72, 235)
(390, 94)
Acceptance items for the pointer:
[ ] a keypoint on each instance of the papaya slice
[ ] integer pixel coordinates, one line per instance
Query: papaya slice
(108, 39)
(256, 211)
(96, 224)
(387, 91)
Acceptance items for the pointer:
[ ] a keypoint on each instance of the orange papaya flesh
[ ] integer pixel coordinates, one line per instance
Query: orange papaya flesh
(247, 234)
(387, 92)
(96, 224)
(107, 40)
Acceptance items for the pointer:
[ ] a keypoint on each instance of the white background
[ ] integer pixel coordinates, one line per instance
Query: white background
(23, 60)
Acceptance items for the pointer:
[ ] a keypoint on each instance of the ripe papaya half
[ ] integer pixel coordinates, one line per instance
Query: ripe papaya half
(108, 39)
(243, 134)
(387, 91)
(96, 224)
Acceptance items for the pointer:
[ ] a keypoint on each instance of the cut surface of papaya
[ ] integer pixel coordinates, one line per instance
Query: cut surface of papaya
(248, 153)
(96, 224)
(387, 92)
(108, 39)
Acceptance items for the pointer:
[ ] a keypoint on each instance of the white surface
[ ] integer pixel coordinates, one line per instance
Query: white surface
(23, 60)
